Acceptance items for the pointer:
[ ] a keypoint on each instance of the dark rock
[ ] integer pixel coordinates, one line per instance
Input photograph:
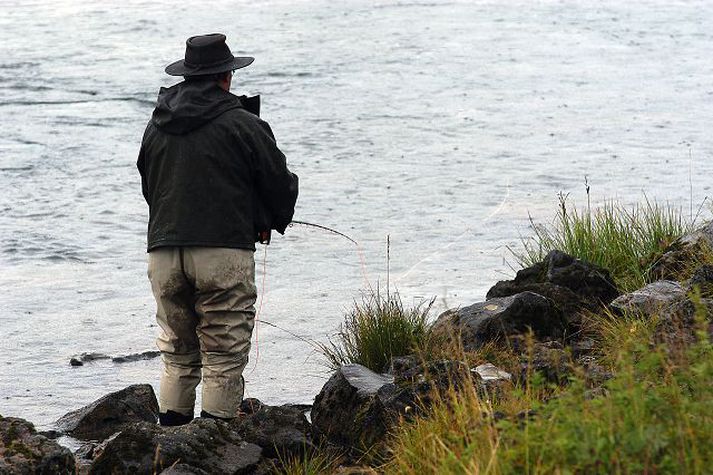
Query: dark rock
(87, 358)
(23, 451)
(84, 455)
(410, 370)
(702, 279)
(357, 407)
(50, 434)
(499, 318)
(570, 283)
(280, 430)
(651, 299)
(204, 444)
(183, 469)
(415, 383)
(582, 347)
(677, 327)
(583, 278)
(548, 359)
(595, 374)
(108, 414)
(680, 254)
(86, 451)
(347, 412)
(250, 405)
(146, 355)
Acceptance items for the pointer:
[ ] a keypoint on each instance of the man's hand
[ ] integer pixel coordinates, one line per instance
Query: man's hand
(264, 236)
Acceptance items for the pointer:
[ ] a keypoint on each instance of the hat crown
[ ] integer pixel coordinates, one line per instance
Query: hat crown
(207, 50)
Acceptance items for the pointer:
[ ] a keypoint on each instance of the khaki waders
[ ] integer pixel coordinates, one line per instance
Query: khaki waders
(205, 307)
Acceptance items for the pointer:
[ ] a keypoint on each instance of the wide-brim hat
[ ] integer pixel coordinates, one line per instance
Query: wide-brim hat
(207, 54)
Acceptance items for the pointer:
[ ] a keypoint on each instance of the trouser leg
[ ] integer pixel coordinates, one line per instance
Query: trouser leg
(178, 341)
(225, 298)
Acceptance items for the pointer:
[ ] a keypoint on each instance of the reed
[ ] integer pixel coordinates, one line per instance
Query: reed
(627, 241)
(375, 330)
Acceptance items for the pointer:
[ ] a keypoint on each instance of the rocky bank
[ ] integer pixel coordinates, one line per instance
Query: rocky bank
(539, 314)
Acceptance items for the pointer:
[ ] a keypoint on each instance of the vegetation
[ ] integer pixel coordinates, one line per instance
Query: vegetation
(654, 416)
(311, 462)
(376, 330)
(625, 241)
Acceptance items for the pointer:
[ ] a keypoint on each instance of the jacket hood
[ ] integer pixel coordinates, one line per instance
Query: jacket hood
(190, 104)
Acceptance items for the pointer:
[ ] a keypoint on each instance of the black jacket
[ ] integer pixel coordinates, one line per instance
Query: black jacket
(211, 171)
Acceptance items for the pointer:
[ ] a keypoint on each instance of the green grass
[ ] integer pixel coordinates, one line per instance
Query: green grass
(376, 330)
(312, 462)
(627, 241)
(654, 416)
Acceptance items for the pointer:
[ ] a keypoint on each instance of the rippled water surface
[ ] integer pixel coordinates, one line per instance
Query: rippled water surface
(441, 124)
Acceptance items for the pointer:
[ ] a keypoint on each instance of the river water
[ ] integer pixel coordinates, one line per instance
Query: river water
(440, 124)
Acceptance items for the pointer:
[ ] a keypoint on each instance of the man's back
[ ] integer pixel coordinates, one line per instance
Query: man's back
(211, 171)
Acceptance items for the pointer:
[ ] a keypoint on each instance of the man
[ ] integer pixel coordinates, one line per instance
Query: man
(215, 183)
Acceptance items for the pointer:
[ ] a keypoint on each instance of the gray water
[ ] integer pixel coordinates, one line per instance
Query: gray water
(441, 124)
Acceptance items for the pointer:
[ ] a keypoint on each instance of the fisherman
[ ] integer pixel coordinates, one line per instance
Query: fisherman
(215, 182)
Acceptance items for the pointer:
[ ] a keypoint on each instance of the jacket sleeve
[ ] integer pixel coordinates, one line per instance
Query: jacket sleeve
(276, 186)
(141, 162)
(141, 165)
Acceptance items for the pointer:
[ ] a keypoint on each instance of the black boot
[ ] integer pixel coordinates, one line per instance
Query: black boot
(173, 418)
(208, 415)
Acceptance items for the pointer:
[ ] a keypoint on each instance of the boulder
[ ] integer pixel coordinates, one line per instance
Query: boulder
(347, 410)
(499, 318)
(23, 451)
(570, 283)
(677, 326)
(84, 455)
(110, 413)
(650, 299)
(415, 382)
(702, 280)
(679, 255)
(203, 445)
(280, 430)
(549, 360)
(87, 358)
(146, 355)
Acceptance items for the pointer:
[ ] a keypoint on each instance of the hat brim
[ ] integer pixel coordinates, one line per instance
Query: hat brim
(179, 67)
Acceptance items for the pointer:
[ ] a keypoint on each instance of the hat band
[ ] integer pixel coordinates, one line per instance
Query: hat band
(208, 65)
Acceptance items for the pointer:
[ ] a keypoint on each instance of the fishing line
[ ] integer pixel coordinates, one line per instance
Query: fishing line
(360, 252)
(259, 311)
(490, 216)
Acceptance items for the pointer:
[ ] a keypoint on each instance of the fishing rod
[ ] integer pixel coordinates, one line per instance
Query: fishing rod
(324, 228)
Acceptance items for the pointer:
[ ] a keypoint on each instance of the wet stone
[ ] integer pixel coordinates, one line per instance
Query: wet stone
(87, 358)
(570, 283)
(650, 299)
(685, 250)
(146, 355)
(500, 318)
(204, 444)
(279, 430)
(110, 413)
(347, 411)
(24, 451)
